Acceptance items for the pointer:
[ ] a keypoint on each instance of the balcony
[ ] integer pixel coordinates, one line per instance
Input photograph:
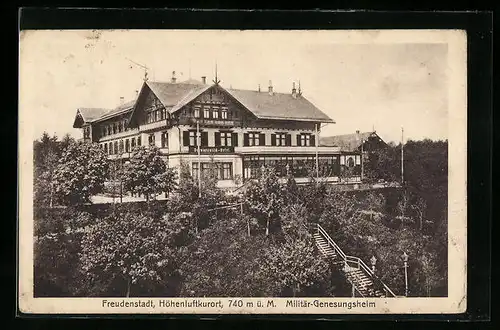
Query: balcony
(155, 125)
(120, 135)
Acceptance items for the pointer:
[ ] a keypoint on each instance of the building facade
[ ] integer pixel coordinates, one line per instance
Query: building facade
(238, 131)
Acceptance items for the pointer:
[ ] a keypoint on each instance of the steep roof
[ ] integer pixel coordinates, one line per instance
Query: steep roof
(87, 115)
(90, 114)
(123, 108)
(279, 106)
(346, 142)
(176, 95)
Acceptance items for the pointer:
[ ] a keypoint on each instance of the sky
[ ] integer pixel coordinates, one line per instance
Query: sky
(361, 80)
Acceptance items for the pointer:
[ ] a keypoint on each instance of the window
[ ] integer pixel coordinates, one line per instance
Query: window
(226, 172)
(119, 127)
(86, 132)
(280, 139)
(206, 112)
(196, 112)
(192, 139)
(151, 139)
(138, 140)
(110, 150)
(127, 145)
(225, 139)
(132, 143)
(350, 162)
(115, 151)
(223, 113)
(215, 112)
(121, 146)
(194, 171)
(106, 148)
(305, 140)
(223, 171)
(253, 139)
(164, 140)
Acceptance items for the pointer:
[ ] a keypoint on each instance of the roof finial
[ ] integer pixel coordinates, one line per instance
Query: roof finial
(145, 75)
(216, 80)
(300, 90)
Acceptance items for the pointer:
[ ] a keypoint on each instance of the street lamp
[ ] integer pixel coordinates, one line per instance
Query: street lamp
(405, 260)
(373, 261)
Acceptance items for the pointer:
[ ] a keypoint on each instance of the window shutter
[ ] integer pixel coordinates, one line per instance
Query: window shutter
(262, 139)
(288, 140)
(273, 139)
(217, 139)
(185, 138)
(313, 140)
(204, 139)
(245, 139)
(234, 139)
(298, 140)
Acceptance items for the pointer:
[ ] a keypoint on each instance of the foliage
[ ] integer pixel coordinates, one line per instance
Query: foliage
(264, 198)
(46, 153)
(294, 267)
(147, 174)
(134, 248)
(224, 262)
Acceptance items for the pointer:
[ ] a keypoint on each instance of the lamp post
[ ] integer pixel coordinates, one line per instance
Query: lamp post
(373, 261)
(405, 260)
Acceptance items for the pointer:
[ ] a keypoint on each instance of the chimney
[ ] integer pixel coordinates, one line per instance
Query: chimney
(259, 88)
(204, 80)
(173, 77)
(270, 88)
(294, 91)
(122, 100)
(357, 132)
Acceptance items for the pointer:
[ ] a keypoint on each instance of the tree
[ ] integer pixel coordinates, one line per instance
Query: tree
(403, 205)
(419, 207)
(80, 173)
(135, 249)
(294, 266)
(146, 173)
(47, 151)
(225, 262)
(264, 197)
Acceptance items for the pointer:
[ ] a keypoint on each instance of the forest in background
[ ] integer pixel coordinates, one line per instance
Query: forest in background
(178, 247)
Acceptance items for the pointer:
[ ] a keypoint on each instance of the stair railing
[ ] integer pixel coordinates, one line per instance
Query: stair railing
(351, 261)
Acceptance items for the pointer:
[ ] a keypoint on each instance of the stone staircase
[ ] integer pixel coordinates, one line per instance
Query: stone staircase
(356, 272)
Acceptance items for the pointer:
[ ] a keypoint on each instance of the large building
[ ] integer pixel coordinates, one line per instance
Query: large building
(240, 131)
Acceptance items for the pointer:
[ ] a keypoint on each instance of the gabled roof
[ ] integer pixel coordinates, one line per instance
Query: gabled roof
(123, 108)
(176, 95)
(90, 114)
(87, 115)
(346, 142)
(279, 106)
